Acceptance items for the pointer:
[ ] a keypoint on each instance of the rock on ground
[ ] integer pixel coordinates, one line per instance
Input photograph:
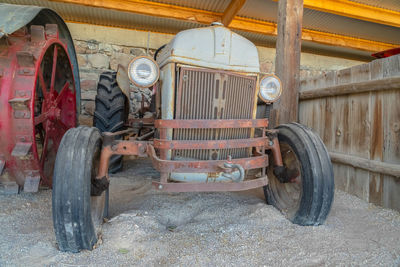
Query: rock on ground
(150, 228)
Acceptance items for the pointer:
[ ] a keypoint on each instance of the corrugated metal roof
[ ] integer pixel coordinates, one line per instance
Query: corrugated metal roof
(265, 10)
(106, 17)
(325, 22)
(386, 4)
(209, 5)
(332, 23)
(310, 47)
(259, 9)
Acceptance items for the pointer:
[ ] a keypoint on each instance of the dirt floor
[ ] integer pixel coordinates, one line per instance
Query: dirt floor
(149, 228)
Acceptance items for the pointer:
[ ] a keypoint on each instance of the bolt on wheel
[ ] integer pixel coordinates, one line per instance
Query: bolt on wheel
(54, 107)
(37, 103)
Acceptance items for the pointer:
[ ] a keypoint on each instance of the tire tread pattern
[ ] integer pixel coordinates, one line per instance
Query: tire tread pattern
(110, 111)
(317, 177)
(71, 189)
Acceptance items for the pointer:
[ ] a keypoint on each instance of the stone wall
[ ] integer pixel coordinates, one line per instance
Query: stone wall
(94, 58)
(102, 48)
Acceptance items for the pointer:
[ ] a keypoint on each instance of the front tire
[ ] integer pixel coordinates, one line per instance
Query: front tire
(307, 198)
(77, 213)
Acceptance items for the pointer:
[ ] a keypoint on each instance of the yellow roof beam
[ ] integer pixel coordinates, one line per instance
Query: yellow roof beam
(231, 11)
(152, 9)
(149, 8)
(355, 10)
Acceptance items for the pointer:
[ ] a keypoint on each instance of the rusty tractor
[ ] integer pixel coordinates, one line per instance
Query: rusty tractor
(199, 110)
(39, 94)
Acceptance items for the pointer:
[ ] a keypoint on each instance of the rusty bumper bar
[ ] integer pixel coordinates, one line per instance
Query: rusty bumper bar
(166, 166)
(200, 166)
(210, 144)
(210, 124)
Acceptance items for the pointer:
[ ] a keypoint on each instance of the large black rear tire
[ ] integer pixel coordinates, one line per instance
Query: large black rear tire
(308, 197)
(77, 215)
(111, 111)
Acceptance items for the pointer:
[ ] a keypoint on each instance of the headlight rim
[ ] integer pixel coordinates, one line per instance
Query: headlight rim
(152, 60)
(267, 101)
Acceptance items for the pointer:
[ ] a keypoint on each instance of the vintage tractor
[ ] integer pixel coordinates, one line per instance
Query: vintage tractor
(205, 128)
(39, 94)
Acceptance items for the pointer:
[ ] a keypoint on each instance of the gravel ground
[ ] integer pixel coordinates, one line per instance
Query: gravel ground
(149, 228)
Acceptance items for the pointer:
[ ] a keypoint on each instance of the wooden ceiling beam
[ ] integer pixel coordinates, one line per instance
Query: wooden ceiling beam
(231, 11)
(356, 10)
(149, 8)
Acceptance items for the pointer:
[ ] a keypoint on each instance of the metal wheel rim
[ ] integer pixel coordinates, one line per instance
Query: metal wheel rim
(54, 107)
(287, 195)
(97, 203)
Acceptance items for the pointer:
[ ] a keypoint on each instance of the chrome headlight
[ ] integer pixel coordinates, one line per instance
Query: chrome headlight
(270, 88)
(143, 71)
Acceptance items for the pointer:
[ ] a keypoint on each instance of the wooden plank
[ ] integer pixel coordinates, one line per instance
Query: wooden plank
(376, 147)
(388, 83)
(287, 62)
(360, 73)
(341, 139)
(341, 174)
(366, 164)
(360, 130)
(391, 66)
(391, 132)
(343, 76)
(391, 193)
(391, 151)
(359, 143)
(341, 126)
(231, 11)
(356, 10)
(376, 69)
(330, 112)
(376, 188)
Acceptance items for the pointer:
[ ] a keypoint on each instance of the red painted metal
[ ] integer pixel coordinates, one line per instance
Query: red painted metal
(387, 53)
(32, 117)
(119, 147)
(210, 124)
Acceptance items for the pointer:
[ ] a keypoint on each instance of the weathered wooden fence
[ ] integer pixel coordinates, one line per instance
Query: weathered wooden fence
(356, 111)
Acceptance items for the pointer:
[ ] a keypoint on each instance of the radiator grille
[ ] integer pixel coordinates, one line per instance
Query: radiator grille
(208, 94)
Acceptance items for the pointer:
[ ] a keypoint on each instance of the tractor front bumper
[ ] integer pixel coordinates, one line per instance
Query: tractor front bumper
(162, 161)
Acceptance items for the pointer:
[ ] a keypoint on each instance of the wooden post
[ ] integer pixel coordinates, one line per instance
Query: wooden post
(231, 11)
(287, 61)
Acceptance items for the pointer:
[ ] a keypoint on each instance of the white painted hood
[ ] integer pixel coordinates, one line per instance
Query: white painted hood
(212, 47)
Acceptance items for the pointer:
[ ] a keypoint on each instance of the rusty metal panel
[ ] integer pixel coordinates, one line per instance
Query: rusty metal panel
(211, 124)
(211, 187)
(205, 94)
(210, 144)
(203, 166)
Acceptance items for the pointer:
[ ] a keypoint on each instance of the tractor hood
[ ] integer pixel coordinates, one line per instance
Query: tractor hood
(211, 47)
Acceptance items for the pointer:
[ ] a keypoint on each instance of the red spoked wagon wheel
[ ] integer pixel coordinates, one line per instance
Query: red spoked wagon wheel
(41, 103)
